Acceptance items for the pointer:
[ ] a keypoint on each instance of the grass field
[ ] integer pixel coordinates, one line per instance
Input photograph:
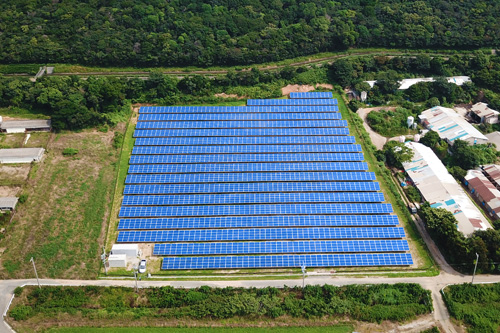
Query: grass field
(62, 224)
(424, 261)
(287, 329)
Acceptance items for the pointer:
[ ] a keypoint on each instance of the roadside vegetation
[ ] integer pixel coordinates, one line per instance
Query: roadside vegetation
(36, 309)
(475, 305)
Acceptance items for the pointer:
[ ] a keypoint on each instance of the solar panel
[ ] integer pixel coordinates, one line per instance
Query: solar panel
(313, 94)
(246, 167)
(248, 177)
(208, 235)
(245, 158)
(241, 132)
(252, 188)
(246, 198)
(268, 102)
(250, 149)
(246, 140)
(259, 222)
(283, 261)
(244, 210)
(169, 117)
(323, 246)
(240, 124)
(236, 109)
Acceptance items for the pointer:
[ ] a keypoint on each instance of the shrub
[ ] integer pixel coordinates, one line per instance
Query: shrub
(117, 140)
(70, 151)
(18, 291)
(21, 312)
(23, 198)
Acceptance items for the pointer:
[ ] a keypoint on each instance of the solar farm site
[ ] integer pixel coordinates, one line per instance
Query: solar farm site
(278, 183)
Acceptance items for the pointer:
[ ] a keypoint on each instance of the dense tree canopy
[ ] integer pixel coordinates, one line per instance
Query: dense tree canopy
(181, 32)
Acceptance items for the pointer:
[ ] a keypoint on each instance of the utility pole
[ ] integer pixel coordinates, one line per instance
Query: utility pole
(135, 276)
(475, 266)
(36, 274)
(303, 268)
(103, 258)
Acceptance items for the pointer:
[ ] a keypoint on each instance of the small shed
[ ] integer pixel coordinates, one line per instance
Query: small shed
(117, 260)
(21, 155)
(8, 203)
(130, 250)
(22, 126)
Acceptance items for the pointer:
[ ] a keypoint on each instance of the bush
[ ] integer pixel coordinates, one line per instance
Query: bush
(70, 151)
(23, 198)
(118, 140)
(18, 291)
(413, 194)
(21, 312)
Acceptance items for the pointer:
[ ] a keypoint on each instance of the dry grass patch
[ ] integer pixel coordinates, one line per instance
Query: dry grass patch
(63, 221)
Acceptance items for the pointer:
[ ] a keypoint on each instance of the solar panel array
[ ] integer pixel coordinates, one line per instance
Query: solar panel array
(276, 183)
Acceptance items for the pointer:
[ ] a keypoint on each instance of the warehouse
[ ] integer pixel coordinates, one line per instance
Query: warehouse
(486, 193)
(22, 126)
(21, 155)
(441, 190)
(8, 203)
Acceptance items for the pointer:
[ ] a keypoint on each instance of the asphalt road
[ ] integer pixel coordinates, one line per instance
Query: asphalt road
(434, 284)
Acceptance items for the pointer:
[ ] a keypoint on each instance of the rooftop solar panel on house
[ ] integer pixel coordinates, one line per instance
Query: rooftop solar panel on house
(247, 149)
(282, 261)
(246, 140)
(274, 247)
(279, 221)
(209, 235)
(240, 132)
(248, 177)
(247, 210)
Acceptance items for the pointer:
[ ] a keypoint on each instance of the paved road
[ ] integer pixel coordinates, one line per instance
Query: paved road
(434, 284)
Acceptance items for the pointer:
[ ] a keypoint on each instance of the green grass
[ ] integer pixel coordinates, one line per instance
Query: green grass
(16, 112)
(61, 224)
(287, 329)
(356, 129)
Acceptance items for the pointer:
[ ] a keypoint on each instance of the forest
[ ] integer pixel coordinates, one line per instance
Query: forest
(231, 32)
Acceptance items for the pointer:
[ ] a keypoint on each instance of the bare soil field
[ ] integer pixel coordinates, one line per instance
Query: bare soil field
(303, 88)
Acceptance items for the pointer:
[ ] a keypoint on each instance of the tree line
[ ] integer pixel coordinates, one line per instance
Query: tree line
(229, 32)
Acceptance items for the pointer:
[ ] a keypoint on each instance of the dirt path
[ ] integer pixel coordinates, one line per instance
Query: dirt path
(378, 140)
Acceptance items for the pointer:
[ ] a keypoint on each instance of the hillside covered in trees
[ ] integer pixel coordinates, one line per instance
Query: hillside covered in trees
(229, 32)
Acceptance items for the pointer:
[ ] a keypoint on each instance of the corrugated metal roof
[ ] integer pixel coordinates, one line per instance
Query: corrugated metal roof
(44, 123)
(8, 202)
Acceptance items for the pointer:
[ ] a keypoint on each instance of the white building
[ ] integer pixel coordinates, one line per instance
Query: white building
(407, 83)
(21, 155)
(22, 126)
(450, 125)
(441, 190)
(481, 113)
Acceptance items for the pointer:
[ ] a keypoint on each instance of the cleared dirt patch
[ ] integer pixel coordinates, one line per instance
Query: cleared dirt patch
(303, 88)
(9, 191)
(14, 174)
(224, 95)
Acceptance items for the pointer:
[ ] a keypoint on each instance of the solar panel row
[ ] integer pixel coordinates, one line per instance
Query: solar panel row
(314, 94)
(246, 198)
(253, 188)
(236, 109)
(283, 261)
(248, 149)
(245, 158)
(247, 177)
(208, 235)
(259, 222)
(247, 210)
(240, 132)
(269, 102)
(240, 124)
(246, 140)
(175, 117)
(247, 167)
(323, 246)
